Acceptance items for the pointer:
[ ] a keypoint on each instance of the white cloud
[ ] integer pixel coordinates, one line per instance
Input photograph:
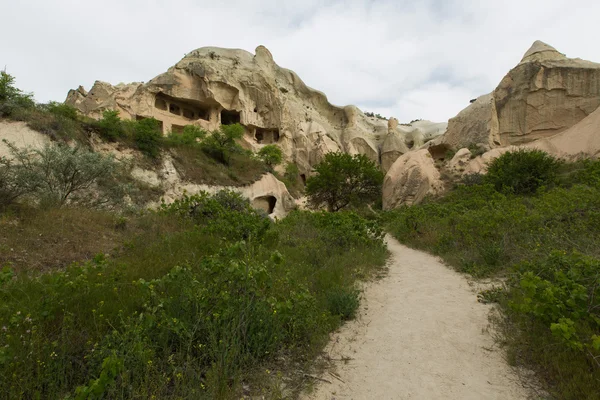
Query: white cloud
(403, 58)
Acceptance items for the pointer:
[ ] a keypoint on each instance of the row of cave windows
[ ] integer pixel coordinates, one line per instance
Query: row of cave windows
(227, 117)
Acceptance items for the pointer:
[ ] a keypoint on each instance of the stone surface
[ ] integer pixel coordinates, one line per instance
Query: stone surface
(545, 94)
(211, 86)
(19, 134)
(410, 179)
(457, 165)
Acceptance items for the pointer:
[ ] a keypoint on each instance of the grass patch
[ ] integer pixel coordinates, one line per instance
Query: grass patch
(199, 298)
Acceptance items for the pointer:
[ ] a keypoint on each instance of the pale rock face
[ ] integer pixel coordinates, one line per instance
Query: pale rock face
(410, 179)
(459, 162)
(20, 135)
(582, 139)
(214, 86)
(545, 94)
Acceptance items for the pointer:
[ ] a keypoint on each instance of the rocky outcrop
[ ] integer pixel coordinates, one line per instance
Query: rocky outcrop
(410, 179)
(457, 165)
(20, 135)
(213, 86)
(545, 94)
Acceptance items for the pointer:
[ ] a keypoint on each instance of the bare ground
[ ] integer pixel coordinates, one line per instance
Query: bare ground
(421, 334)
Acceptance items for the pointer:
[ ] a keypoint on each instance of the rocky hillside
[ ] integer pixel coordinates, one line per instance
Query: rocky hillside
(213, 86)
(548, 101)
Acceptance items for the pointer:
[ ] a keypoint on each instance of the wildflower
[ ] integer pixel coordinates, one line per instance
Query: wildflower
(4, 328)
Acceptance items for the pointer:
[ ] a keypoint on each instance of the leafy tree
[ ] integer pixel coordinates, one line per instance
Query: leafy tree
(55, 174)
(11, 97)
(522, 171)
(221, 144)
(271, 155)
(343, 180)
(110, 125)
(189, 136)
(148, 136)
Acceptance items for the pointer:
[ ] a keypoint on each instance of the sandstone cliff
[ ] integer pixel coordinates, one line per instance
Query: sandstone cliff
(213, 86)
(545, 94)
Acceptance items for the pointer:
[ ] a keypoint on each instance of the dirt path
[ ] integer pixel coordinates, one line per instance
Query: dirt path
(421, 334)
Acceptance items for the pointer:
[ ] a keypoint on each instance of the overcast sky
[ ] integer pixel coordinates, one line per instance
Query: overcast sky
(408, 59)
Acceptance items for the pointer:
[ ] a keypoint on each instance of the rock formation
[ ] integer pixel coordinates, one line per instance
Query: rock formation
(412, 177)
(213, 86)
(545, 94)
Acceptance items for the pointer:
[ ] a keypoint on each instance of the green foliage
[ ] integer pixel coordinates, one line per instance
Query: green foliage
(271, 155)
(12, 98)
(343, 180)
(185, 310)
(190, 136)
(148, 137)
(61, 110)
(110, 125)
(226, 214)
(221, 144)
(522, 171)
(56, 175)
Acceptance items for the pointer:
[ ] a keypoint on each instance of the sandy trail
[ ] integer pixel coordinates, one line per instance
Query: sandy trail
(421, 334)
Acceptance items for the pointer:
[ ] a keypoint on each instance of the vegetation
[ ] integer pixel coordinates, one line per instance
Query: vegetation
(344, 180)
(57, 174)
(221, 144)
(191, 135)
(522, 171)
(271, 155)
(193, 301)
(536, 222)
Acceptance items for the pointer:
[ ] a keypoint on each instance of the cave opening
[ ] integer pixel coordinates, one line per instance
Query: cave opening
(266, 136)
(174, 109)
(303, 178)
(265, 203)
(160, 103)
(230, 117)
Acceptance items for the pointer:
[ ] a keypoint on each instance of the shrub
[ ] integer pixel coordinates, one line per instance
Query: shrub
(12, 98)
(148, 136)
(15, 182)
(189, 136)
(221, 144)
(61, 110)
(57, 174)
(110, 125)
(522, 171)
(271, 155)
(344, 180)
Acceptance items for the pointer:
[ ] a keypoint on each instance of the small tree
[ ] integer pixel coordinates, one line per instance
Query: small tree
(522, 171)
(12, 97)
(55, 174)
(271, 155)
(221, 144)
(189, 136)
(343, 180)
(110, 125)
(148, 136)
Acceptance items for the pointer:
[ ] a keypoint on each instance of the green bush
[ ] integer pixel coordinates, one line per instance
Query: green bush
(185, 312)
(57, 175)
(344, 180)
(271, 155)
(61, 110)
(190, 136)
(522, 171)
(12, 98)
(221, 144)
(110, 125)
(148, 137)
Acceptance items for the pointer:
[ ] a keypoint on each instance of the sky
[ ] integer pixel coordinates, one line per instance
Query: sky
(408, 59)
